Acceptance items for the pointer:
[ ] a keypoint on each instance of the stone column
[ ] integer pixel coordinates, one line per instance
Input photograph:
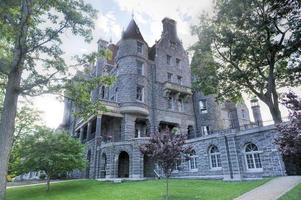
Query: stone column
(232, 169)
(135, 161)
(97, 145)
(89, 130)
(81, 134)
(129, 127)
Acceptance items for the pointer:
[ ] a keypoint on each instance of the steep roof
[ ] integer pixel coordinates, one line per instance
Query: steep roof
(132, 32)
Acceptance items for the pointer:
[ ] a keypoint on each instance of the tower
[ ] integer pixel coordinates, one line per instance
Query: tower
(256, 111)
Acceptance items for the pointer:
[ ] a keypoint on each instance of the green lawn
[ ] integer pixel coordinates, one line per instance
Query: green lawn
(294, 194)
(141, 190)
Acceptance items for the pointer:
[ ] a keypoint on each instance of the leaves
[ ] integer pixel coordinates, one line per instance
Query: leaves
(166, 149)
(51, 152)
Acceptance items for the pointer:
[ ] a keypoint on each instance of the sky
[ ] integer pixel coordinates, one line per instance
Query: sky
(113, 17)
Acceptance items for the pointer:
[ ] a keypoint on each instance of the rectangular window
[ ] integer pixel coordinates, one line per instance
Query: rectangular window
(140, 93)
(140, 68)
(168, 59)
(193, 164)
(205, 130)
(203, 106)
(139, 47)
(169, 77)
(170, 103)
(178, 61)
(179, 80)
(180, 105)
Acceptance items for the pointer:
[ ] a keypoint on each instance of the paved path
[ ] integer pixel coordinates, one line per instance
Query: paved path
(273, 189)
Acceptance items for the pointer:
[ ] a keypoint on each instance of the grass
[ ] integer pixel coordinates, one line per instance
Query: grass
(294, 194)
(140, 190)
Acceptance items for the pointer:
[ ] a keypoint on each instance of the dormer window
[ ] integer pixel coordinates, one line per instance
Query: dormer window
(139, 47)
(168, 59)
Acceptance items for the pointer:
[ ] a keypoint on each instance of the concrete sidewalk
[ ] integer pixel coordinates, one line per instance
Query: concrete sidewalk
(273, 189)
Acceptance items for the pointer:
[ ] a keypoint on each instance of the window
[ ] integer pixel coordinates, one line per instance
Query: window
(170, 102)
(139, 47)
(140, 130)
(169, 77)
(243, 113)
(203, 106)
(168, 58)
(178, 61)
(179, 80)
(140, 68)
(193, 164)
(116, 93)
(140, 93)
(252, 157)
(177, 167)
(102, 92)
(180, 105)
(205, 130)
(215, 158)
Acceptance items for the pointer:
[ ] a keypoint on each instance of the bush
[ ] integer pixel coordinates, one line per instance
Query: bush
(42, 176)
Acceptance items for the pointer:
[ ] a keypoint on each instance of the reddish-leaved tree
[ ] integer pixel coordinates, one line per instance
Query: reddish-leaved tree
(289, 140)
(167, 149)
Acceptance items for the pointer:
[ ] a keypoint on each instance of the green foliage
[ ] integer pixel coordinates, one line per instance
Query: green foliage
(51, 152)
(247, 47)
(26, 121)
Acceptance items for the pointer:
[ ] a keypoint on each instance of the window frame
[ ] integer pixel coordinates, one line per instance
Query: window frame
(138, 62)
(180, 80)
(168, 59)
(139, 47)
(169, 77)
(217, 158)
(193, 159)
(142, 93)
(203, 109)
(250, 156)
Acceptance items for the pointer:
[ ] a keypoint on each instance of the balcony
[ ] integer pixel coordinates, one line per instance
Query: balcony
(169, 87)
(112, 107)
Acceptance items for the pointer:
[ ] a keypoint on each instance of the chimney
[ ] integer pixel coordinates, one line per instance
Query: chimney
(256, 111)
(170, 29)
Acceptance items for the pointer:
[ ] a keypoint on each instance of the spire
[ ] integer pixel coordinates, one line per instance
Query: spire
(132, 32)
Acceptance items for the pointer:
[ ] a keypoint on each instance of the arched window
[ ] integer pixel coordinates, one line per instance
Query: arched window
(252, 157)
(215, 157)
(193, 163)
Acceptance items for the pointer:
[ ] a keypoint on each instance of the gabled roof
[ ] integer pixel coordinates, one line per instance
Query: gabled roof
(132, 32)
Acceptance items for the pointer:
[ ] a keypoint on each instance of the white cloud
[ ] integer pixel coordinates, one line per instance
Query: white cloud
(107, 26)
(185, 13)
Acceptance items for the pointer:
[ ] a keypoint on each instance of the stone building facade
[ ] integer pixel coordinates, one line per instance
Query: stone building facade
(153, 92)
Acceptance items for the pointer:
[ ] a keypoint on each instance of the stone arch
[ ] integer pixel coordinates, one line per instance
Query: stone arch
(123, 165)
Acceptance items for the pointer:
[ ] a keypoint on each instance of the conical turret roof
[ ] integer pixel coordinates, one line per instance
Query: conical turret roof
(132, 32)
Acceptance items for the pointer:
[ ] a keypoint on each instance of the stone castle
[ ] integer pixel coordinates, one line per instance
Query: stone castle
(153, 92)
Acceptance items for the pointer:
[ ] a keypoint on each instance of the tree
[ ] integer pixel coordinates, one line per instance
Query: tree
(250, 47)
(26, 121)
(51, 152)
(289, 140)
(31, 60)
(167, 150)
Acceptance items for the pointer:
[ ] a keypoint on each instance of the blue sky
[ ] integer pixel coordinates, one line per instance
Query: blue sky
(113, 16)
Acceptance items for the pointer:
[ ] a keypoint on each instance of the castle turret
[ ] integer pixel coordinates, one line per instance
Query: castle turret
(256, 111)
(133, 70)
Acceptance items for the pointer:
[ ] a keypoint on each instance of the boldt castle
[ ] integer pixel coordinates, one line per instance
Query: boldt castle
(153, 92)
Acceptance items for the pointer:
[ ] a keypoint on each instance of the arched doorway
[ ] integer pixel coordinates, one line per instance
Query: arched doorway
(123, 165)
(148, 167)
(103, 165)
(88, 164)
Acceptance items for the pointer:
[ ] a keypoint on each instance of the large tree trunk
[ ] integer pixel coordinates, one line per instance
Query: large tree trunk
(8, 115)
(275, 112)
(167, 189)
(7, 126)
